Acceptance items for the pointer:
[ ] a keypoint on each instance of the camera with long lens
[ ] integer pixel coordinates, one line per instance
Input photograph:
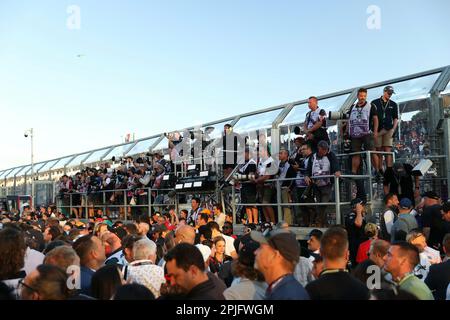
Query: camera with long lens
(347, 145)
(337, 115)
(244, 177)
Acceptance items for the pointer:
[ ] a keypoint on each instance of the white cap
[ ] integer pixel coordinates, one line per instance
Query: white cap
(205, 250)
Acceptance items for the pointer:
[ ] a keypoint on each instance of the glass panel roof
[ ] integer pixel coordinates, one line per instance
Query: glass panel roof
(118, 151)
(62, 162)
(5, 173)
(142, 146)
(96, 155)
(298, 113)
(23, 171)
(262, 120)
(447, 89)
(13, 172)
(47, 166)
(408, 90)
(77, 160)
(164, 144)
(36, 167)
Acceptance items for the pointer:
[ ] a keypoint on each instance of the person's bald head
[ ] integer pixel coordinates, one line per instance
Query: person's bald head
(185, 234)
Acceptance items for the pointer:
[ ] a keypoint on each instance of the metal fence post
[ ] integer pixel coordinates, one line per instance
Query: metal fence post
(87, 206)
(149, 194)
(369, 164)
(233, 203)
(70, 205)
(337, 199)
(125, 205)
(104, 203)
(279, 200)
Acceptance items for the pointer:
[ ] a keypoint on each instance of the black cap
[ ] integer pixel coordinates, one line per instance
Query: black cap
(357, 201)
(247, 253)
(389, 89)
(118, 231)
(432, 195)
(281, 240)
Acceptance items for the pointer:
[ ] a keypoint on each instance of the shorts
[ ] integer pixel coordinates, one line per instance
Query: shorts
(367, 142)
(248, 194)
(385, 138)
(266, 195)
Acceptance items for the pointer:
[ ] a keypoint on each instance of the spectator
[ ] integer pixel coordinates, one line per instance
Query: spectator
(323, 163)
(12, 253)
(266, 171)
(438, 278)
(185, 234)
(335, 283)
(62, 257)
(186, 269)
(195, 211)
(304, 215)
(389, 216)
(405, 223)
(371, 233)
(133, 292)
(286, 171)
(314, 238)
(315, 125)
(47, 282)
(219, 216)
(248, 283)
(202, 219)
(428, 256)
(276, 259)
(230, 250)
(400, 262)
(355, 225)
(400, 181)
(317, 268)
(387, 111)
(218, 257)
(143, 269)
(51, 233)
(378, 250)
(112, 243)
(248, 188)
(92, 257)
(106, 281)
(433, 224)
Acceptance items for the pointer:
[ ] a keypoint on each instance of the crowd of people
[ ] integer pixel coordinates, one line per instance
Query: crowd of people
(194, 255)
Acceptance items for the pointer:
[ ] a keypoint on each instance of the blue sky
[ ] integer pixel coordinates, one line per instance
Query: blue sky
(154, 66)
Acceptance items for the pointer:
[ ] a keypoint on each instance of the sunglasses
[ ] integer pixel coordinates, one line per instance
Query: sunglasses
(23, 284)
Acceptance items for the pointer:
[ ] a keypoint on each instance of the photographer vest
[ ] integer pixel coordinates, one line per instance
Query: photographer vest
(244, 167)
(264, 165)
(359, 121)
(321, 167)
(300, 182)
(312, 117)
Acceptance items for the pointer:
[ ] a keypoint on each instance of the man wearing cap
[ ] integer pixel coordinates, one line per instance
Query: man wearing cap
(434, 226)
(388, 121)
(277, 258)
(405, 221)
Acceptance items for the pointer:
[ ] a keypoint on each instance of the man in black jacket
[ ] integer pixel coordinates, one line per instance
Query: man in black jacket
(186, 269)
(323, 163)
(439, 276)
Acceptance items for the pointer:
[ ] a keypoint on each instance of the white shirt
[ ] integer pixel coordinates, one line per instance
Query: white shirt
(448, 293)
(33, 259)
(229, 245)
(220, 219)
(244, 289)
(389, 220)
(303, 271)
(144, 272)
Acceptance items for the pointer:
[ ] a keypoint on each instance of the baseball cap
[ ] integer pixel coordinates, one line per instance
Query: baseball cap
(389, 89)
(431, 195)
(406, 203)
(118, 231)
(281, 240)
(247, 253)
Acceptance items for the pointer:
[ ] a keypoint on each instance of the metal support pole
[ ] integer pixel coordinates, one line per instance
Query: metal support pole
(125, 205)
(104, 203)
(149, 191)
(86, 206)
(369, 164)
(70, 204)
(233, 203)
(337, 199)
(279, 200)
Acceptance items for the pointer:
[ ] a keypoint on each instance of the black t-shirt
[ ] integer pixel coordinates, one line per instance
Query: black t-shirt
(432, 218)
(337, 286)
(356, 236)
(251, 169)
(387, 112)
(406, 182)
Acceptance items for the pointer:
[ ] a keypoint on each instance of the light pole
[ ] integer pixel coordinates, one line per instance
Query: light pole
(29, 133)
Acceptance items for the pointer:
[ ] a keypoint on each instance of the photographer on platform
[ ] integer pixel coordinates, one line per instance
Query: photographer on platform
(315, 125)
(323, 163)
